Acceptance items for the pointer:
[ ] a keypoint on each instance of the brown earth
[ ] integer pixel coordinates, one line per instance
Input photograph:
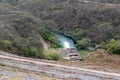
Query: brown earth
(87, 68)
(102, 58)
(98, 60)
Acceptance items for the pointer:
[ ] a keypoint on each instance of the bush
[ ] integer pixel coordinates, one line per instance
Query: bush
(29, 47)
(29, 51)
(46, 34)
(5, 44)
(103, 45)
(77, 34)
(53, 56)
(83, 44)
(114, 46)
(50, 37)
(57, 45)
(38, 53)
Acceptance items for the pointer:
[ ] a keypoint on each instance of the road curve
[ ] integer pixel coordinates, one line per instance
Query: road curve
(69, 70)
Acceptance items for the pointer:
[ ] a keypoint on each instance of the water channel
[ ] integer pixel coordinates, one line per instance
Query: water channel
(66, 41)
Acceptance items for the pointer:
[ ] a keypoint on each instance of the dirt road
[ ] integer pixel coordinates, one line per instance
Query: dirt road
(43, 42)
(56, 70)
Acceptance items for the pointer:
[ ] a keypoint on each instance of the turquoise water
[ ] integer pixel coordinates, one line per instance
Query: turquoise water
(65, 41)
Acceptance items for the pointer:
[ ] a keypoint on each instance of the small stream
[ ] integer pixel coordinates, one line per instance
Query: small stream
(66, 41)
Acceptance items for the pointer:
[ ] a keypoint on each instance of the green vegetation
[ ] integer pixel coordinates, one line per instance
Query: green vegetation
(113, 46)
(53, 56)
(84, 53)
(77, 33)
(5, 44)
(50, 37)
(83, 44)
(20, 35)
(23, 21)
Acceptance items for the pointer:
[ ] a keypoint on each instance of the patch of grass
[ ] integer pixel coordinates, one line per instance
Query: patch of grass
(84, 53)
(52, 50)
(48, 77)
(1, 75)
(53, 56)
(1, 64)
(15, 78)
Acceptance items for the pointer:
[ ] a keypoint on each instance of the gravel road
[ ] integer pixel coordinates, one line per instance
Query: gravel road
(56, 71)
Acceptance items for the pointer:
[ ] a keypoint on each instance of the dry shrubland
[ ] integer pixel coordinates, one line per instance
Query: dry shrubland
(90, 23)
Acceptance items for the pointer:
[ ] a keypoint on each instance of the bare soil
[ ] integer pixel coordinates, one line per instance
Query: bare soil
(98, 60)
(103, 59)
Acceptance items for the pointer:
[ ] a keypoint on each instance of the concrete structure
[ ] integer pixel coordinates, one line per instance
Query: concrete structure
(70, 54)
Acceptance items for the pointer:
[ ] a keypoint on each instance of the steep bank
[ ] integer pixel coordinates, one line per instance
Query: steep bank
(103, 59)
(87, 22)
(93, 21)
(19, 32)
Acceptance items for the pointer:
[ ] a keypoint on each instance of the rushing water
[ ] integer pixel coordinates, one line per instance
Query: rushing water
(66, 41)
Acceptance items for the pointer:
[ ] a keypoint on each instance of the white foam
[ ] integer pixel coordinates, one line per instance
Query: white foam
(66, 44)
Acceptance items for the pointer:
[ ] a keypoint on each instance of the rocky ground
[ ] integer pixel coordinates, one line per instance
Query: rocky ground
(10, 70)
(9, 73)
(98, 60)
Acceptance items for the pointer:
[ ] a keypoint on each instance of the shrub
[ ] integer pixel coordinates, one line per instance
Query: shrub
(29, 47)
(114, 46)
(49, 36)
(77, 33)
(5, 44)
(29, 51)
(53, 56)
(57, 45)
(83, 44)
(34, 52)
(34, 42)
(103, 45)
(46, 34)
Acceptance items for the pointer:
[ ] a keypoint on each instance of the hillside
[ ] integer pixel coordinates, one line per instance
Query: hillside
(89, 20)
(21, 68)
(34, 34)
(20, 31)
(87, 23)
(102, 59)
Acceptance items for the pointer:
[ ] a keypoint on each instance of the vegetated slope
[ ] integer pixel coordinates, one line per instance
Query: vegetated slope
(87, 22)
(103, 59)
(107, 1)
(19, 32)
(92, 21)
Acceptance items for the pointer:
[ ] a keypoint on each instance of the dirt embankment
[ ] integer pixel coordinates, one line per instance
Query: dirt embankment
(35, 68)
(98, 60)
(103, 59)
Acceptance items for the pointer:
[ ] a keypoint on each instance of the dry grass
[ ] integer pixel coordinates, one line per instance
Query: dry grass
(102, 58)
